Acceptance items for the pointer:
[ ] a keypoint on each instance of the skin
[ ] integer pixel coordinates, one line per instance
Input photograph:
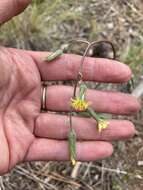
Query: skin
(26, 134)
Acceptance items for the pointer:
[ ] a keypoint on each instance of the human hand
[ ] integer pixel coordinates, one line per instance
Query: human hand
(26, 134)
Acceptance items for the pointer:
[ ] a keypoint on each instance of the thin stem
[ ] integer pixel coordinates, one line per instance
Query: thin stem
(83, 58)
(108, 42)
(70, 117)
(76, 82)
(78, 40)
(80, 73)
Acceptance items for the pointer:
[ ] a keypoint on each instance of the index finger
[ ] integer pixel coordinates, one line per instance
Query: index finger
(94, 69)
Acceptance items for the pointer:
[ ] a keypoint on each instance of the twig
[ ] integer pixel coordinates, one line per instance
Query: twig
(58, 177)
(134, 9)
(137, 122)
(63, 179)
(87, 170)
(138, 91)
(102, 174)
(75, 170)
(1, 184)
(118, 171)
(33, 177)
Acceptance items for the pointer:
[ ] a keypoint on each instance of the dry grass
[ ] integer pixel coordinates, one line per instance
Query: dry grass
(52, 23)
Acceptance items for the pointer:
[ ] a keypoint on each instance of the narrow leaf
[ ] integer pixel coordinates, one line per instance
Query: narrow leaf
(54, 55)
(82, 90)
(72, 146)
(93, 113)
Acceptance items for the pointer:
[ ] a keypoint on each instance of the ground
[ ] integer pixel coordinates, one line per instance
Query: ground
(52, 23)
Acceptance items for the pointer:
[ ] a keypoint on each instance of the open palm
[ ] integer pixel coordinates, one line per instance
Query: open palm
(19, 105)
(27, 134)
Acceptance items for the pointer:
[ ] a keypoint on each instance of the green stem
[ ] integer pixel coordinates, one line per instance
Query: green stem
(93, 114)
(82, 91)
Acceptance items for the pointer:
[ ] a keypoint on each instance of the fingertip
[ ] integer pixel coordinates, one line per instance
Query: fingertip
(131, 130)
(125, 72)
(128, 130)
(110, 70)
(104, 150)
(138, 105)
(109, 150)
(134, 105)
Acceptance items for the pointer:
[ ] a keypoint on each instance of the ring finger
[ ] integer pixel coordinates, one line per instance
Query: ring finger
(56, 126)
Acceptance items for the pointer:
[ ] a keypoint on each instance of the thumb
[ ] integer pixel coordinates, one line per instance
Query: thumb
(10, 8)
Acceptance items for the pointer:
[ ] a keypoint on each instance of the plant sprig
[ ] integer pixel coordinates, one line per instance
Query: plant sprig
(78, 101)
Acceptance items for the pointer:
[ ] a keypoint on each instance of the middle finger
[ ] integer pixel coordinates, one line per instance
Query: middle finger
(58, 99)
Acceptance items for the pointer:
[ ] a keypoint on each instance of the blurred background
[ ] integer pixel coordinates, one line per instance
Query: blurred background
(47, 25)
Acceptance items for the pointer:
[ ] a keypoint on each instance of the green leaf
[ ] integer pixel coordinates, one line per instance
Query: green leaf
(93, 114)
(83, 114)
(82, 90)
(72, 145)
(54, 55)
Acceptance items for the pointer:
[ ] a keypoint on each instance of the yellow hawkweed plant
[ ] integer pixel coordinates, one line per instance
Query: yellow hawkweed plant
(78, 103)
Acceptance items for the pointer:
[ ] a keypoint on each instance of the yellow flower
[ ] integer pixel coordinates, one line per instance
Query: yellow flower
(79, 104)
(102, 124)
